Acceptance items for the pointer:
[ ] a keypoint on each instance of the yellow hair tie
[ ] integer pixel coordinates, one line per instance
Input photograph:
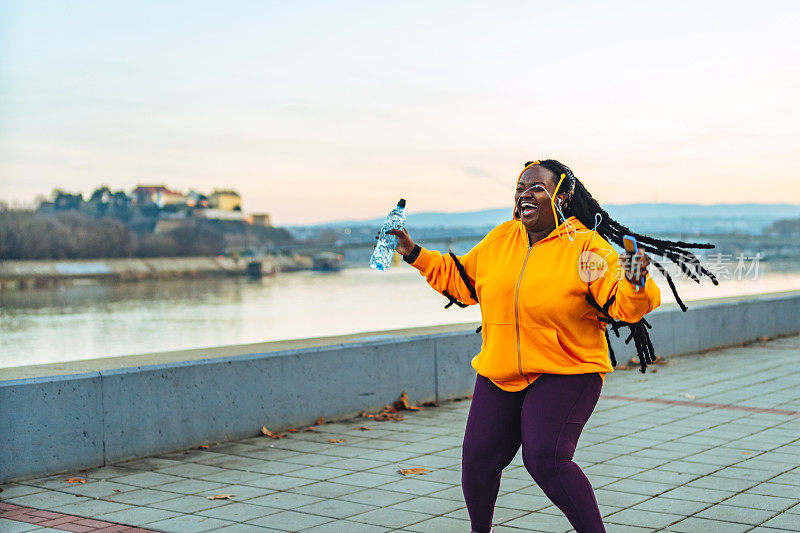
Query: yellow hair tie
(552, 198)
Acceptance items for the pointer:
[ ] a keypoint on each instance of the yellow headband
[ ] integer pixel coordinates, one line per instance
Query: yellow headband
(526, 168)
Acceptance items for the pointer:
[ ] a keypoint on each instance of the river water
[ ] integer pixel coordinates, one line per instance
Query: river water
(101, 320)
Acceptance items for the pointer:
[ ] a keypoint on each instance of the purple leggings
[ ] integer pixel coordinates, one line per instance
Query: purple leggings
(546, 418)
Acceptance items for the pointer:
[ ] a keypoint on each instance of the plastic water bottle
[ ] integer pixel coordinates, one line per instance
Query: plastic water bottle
(382, 256)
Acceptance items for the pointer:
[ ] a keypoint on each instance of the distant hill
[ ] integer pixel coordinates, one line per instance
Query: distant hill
(650, 217)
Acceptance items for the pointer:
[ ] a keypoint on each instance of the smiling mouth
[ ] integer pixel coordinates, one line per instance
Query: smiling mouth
(527, 208)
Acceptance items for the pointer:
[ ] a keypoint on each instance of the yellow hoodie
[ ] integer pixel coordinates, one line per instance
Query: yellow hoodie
(535, 317)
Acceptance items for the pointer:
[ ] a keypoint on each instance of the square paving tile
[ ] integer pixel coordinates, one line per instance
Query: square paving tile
(189, 524)
(279, 482)
(91, 508)
(341, 526)
(189, 504)
(335, 508)
(788, 521)
(142, 496)
(232, 477)
(697, 525)
(147, 479)
(424, 504)
(137, 516)
(16, 491)
(191, 470)
(541, 522)
(758, 501)
(326, 489)
(639, 517)
(190, 486)
(47, 499)
(248, 528)
(319, 473)
(440, 524)
(381, 498)
(697, 494)
(237, 512)
(97, 489)
(12, 526)
(366, 479)
(393, 518)
(284, 500)
(730, 513)
(416, 486)
(289, 521)
(661, 504)
(238, 492)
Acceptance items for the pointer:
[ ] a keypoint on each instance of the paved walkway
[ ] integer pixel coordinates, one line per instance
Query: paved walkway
(708, 443)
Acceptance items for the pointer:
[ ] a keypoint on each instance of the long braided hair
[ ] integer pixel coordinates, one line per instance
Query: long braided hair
(580, 204)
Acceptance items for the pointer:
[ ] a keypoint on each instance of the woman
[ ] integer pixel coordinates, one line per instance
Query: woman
(541, 282)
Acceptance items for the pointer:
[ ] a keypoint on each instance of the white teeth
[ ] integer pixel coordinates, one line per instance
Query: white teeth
(527, 204)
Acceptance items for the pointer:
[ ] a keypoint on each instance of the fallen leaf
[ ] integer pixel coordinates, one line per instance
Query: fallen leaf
(320, 421)
(268, 433)
(384, 416)
(76, 480)
(221, 496)
(389, 413)
(293, 430)
(431, 404)
(117, 490)
(203, 446)
(690, 396)
(402, 402)
(335, 441)
(365, 428)
(410, 471)
(311, 428)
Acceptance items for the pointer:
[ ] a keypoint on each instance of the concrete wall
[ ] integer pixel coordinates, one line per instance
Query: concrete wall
(52, 424)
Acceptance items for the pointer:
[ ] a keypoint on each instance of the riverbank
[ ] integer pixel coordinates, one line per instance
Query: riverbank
(98, 319)
(39, 274)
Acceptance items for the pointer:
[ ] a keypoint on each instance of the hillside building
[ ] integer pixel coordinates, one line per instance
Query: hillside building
(227, 200)
(158, 195)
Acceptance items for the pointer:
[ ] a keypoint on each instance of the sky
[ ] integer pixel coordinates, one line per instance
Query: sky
(317, 111)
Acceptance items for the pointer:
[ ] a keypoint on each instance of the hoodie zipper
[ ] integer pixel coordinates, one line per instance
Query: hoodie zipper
(516, 314)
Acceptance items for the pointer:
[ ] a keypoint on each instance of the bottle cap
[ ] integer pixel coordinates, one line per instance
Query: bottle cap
(401, 203)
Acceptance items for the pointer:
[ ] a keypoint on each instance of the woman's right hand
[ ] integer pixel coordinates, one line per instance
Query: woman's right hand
(404, 242)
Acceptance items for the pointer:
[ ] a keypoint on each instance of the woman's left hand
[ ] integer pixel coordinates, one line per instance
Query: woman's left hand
(636, 269)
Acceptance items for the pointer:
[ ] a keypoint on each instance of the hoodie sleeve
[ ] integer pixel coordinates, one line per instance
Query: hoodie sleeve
(443, 275)
(631, 303)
